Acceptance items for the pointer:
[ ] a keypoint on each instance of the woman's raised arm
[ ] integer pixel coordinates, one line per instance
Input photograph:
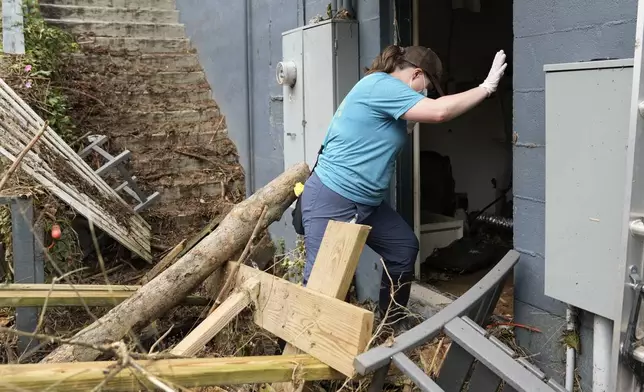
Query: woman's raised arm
(451, 106)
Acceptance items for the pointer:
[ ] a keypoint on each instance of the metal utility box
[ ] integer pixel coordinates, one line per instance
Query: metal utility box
(587, 121)
(320, 66)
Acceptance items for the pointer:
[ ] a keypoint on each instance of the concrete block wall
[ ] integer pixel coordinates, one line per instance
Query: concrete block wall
(551, 31)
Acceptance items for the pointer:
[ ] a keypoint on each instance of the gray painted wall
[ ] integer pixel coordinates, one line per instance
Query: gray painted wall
(218, 31)
(551, 31)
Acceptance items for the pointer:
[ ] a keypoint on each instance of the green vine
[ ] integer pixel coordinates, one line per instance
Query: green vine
(291, 263)
(38, 75)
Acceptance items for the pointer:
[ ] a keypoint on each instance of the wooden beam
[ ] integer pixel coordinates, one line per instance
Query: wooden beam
(327, 328)
(37, 294)
(218, 319)
(66, 287)
(188, 373)
(334, 268)
(337, 259)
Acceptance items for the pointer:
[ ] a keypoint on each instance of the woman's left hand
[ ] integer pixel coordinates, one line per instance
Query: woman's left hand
(491, 83)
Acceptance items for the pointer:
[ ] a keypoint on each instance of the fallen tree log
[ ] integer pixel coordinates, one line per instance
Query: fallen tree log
(170, 287)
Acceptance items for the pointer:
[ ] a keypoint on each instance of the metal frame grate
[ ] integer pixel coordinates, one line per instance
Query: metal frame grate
(474, 357)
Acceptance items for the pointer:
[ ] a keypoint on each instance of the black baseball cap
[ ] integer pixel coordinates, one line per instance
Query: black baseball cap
(425, 59)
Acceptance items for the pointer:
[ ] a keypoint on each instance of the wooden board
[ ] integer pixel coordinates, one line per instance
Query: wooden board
(67, 287)
(336, 261)
(15, 295)
(327, 328)
(189, 373)
(217, 320)
(82, 189)
(334, 268)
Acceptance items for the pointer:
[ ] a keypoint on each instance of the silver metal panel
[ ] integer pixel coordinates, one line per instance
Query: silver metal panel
(318, 87)
(326, 55)
(293, 101)
(632, 204)
(619, 63)
(586, 139)
(346, 59)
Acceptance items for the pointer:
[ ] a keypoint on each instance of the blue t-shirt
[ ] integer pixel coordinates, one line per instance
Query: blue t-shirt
(365, 137)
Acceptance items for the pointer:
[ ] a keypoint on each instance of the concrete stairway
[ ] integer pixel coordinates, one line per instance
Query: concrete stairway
(138, 55)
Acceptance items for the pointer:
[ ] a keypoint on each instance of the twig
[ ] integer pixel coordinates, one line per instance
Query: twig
(82, 93)
(112, 373)
(54, 281)
(221, 120)
(197, 156)
(104, 348)
(231, 278)
(22, 154)
(430, 371)
(528, 327)
(101, 274)
(151, 378)
(160, 339)
(80, 138)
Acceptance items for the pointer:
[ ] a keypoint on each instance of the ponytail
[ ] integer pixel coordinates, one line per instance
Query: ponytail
(388, 60)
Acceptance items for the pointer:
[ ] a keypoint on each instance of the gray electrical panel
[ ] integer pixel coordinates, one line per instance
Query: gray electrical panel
(587, 121)
(320, 66)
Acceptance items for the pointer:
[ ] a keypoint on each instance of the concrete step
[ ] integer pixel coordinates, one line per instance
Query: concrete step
(189, 127)
(126, 46)
(157, 83)
(174, 118)
(144, 63)
(119, 29)
(130, 4)
(109, 14)
(217, 163)
(187, 100)
(168, 137)
(179, 117)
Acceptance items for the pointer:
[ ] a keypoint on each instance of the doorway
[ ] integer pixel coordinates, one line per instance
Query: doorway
(462, 175)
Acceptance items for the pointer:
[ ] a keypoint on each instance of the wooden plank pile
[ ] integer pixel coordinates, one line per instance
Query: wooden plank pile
(324, 333)
(52, 163)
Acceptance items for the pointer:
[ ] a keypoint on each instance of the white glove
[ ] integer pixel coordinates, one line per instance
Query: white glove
(491, 83)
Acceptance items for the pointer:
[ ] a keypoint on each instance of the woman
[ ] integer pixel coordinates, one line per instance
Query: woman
(367, 132)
